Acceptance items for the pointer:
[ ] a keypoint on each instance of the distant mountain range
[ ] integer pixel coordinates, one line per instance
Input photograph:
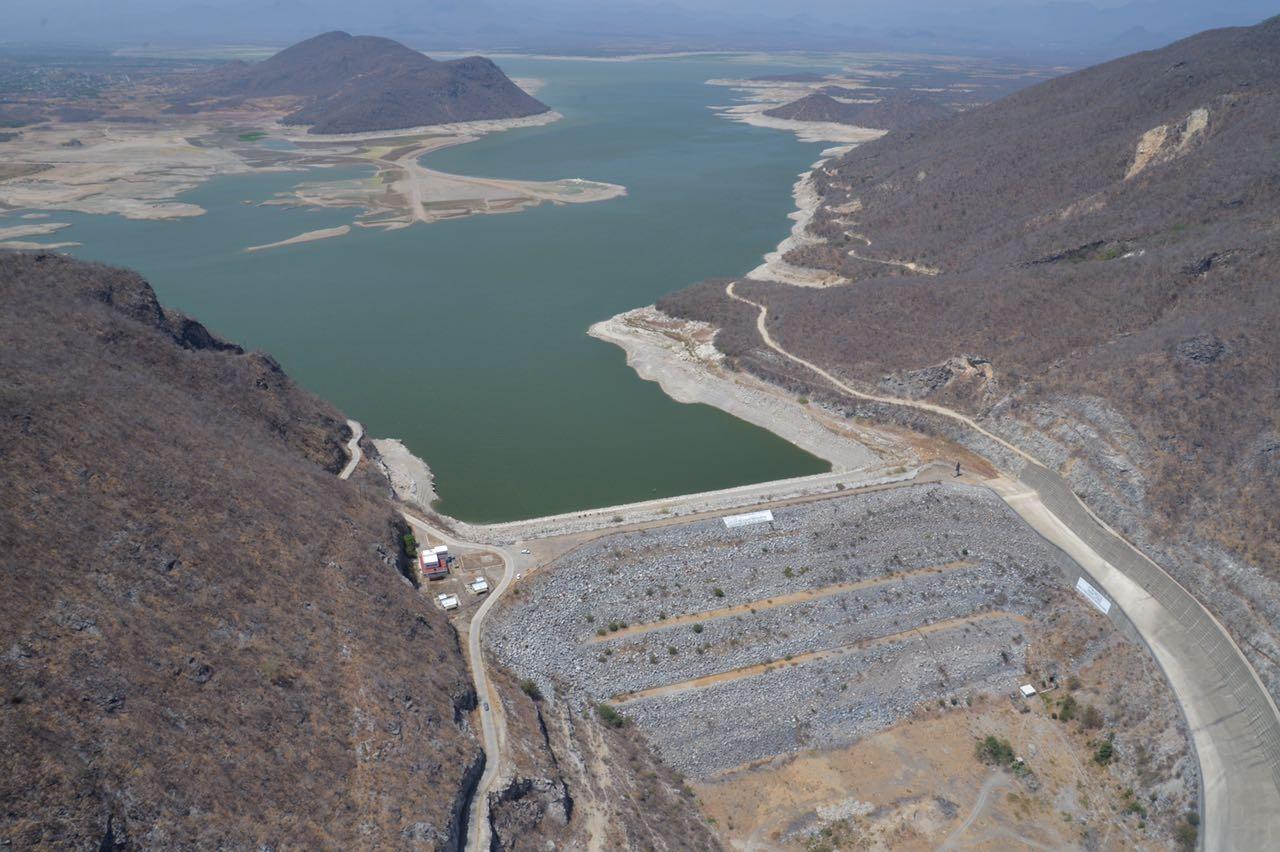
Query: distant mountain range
(1063, 29)
(353, 84)
(1089, 266)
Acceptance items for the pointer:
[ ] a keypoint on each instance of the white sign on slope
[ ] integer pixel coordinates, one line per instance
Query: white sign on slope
(748, 519)
(1095, 597)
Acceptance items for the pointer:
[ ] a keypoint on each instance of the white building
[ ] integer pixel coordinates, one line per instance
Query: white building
(448, 601)
(479, 585)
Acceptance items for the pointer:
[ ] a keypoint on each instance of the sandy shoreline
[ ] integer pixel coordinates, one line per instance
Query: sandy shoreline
(679, 356)
(411, 478)
(24, 245)
(757, 96)
(775, 268)
(805, 131)
(457, 128)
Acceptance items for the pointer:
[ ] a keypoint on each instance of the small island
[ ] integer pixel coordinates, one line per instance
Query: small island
(340, 83)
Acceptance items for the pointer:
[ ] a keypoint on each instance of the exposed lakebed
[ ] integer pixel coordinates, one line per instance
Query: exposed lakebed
(467, 338)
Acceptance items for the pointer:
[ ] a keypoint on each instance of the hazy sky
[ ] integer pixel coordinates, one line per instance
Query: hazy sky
(1022, 26)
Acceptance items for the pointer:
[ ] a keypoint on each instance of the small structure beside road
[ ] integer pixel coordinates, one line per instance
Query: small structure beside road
(431, 565)
(478, 586)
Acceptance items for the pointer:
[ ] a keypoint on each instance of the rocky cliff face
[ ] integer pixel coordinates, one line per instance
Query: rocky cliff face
(576, 783)
(204, 638)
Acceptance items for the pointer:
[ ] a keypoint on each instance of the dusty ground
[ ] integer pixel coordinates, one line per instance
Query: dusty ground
(919, 785)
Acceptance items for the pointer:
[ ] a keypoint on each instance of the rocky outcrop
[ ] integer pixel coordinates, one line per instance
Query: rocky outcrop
(523, 805)
(576, 784)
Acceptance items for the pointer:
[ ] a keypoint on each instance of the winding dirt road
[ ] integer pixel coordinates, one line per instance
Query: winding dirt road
(353, 449)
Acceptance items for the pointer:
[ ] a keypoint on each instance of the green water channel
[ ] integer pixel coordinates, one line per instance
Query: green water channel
(467, 339)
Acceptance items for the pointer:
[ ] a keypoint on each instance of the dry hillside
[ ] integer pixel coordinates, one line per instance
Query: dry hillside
(1103, 250)
(207, 641)
(353, 84)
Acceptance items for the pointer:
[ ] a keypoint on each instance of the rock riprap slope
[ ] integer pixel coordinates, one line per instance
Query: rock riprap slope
(833, 621)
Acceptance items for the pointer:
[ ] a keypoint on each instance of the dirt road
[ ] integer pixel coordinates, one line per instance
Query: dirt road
(353, 449)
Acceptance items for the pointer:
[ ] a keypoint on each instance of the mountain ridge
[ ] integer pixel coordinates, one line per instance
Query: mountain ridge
(1106, 242)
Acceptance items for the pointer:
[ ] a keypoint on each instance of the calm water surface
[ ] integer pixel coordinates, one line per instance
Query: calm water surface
(467, 339)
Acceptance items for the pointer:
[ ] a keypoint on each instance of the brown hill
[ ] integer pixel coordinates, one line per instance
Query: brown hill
(207, 639)
(354, 84)
(893, 110)
(1107, 241)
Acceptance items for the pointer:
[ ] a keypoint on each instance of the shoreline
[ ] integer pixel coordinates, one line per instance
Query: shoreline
(805, 131)
(755, 97)
(680, 358)
(411, 478)
(774, 267)
(141, 172)
(479, 127)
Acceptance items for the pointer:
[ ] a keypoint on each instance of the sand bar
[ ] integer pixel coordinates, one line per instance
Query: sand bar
(308, 237)
(42, 230)
(24, 245)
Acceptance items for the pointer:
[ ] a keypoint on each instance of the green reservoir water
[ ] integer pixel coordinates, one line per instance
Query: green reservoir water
(467, 339)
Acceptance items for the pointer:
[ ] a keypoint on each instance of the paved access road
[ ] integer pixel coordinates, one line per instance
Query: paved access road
(1234, 722)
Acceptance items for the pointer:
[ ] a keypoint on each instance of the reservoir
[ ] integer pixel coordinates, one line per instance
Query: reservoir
(467, 339)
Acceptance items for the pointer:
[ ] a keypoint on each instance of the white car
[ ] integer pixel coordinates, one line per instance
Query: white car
(526, 551)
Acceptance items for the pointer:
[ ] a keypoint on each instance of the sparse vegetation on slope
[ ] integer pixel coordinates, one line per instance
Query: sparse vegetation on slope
(1122, 323)
(209, 643)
